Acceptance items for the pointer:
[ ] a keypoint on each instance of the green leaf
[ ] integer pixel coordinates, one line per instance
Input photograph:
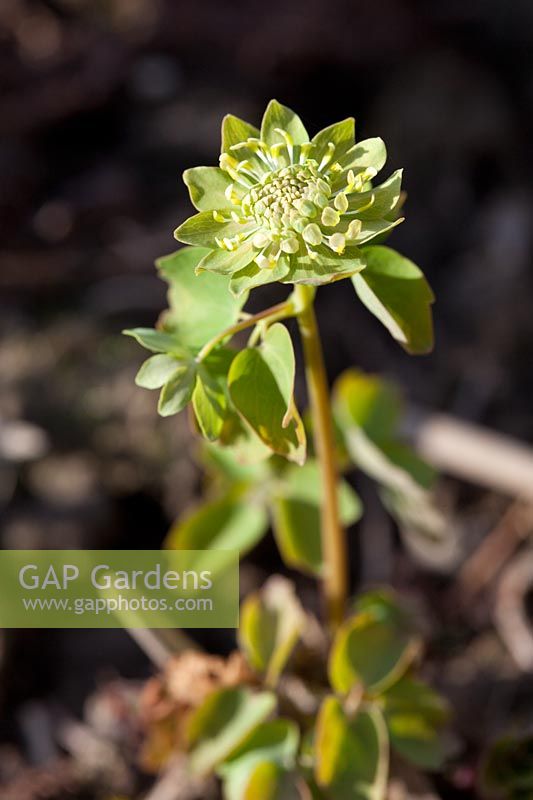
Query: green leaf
(157, 370)
(271, 623)
(367, 411)
(276, 740)
(276, 117)
(222, 723)
(424, 528)
(210, 399)
(396, 292)
(376, 459)
(368, 401)
(351, 754)
(200, 305)
(261, 382)
(328, 267)
(207, 186)
(158, 341)
(209, 403)
(241, 440)
(427, 533)
(402, 456)
(297, 532)
(224, 464)
(273, 743)
(295, 508)
(415, 716)
(178, 391)
(341, 134)
(231, 522)
(269, 781)
(374, 648)
(203, 229)
(234, 131)
(173, 368)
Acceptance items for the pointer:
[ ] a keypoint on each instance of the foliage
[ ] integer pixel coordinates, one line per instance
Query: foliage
(248, 498)
(285, 207)
(263, 745)
(368, 411)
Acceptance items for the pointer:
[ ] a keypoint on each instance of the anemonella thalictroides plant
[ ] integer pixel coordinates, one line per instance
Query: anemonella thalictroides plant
(303, 211)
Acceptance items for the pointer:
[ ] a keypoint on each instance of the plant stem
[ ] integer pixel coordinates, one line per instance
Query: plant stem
(279, 311)
(334, 550)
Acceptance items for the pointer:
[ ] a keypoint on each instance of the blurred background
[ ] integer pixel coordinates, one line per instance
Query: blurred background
(103, 103)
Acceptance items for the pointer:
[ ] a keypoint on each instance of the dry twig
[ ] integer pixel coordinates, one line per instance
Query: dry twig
(473, 453)
(510, 611)
(161, 644)
(482, 567)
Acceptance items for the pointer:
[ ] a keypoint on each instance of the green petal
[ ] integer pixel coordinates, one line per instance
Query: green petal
(374, 227)
(157, 370)
(242, 152)
(328, 267)
(207, 186)
(203, 229)
(225, 262)
(278, 116)
(235, 130)
(342, 134)
(252, 276)
(383, 199)
(368, 153)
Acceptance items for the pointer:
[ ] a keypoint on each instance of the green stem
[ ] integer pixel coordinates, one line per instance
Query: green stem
(279, 311)
(334, 549)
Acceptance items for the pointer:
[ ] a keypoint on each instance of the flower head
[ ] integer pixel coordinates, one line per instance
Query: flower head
(284, 207)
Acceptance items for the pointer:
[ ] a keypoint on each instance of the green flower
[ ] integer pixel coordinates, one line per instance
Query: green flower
(283, 207)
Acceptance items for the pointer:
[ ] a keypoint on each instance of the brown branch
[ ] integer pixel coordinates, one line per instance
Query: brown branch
(482, 567)
(473, 453)
(510, 611)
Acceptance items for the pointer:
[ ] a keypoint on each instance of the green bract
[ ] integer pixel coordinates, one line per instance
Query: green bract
(284, 207)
